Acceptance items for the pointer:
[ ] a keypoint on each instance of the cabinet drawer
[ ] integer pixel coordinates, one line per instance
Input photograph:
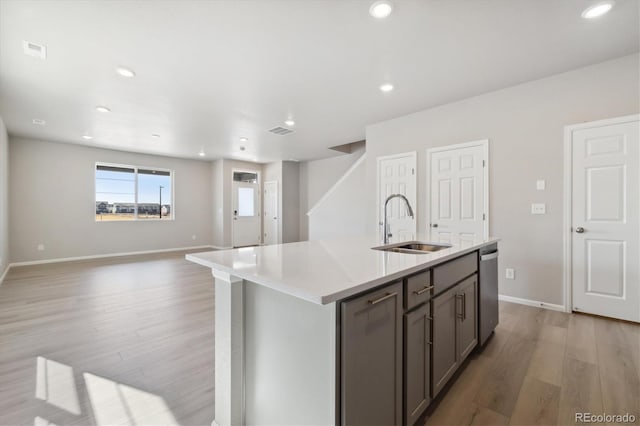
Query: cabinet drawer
(417, 289)
(444, 276)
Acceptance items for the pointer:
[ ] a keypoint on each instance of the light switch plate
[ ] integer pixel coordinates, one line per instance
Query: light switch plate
(541, 185)
(538, 208)
(510, 274)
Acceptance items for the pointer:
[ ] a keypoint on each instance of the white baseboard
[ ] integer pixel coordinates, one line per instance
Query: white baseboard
(4, 274)
(550, 306)
(100, 256)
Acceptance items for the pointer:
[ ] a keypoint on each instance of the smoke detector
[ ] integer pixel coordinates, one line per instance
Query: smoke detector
(34, 49)
(278, 130)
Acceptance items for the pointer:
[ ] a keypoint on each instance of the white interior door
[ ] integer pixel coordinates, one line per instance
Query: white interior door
(271, 218)
(459, 191)
(605, 220)
(397, 175)
(246, 213)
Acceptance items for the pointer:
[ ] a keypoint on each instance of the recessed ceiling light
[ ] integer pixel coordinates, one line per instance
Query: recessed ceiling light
(155, 135)
(244, 139)
(597, 10)
(201, 154)
(87, 137)
(38, 122)
(102, 108)
(290, 122)
(125, 72)
(386, 87)
(381, 9)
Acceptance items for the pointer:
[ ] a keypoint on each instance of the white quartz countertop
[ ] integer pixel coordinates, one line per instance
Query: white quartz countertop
(325, 271)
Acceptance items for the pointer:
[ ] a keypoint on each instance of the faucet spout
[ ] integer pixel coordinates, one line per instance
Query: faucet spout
(385, 230)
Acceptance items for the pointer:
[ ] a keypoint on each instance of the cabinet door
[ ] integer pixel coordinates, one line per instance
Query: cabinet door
(445, 360)
(417, 362)
(467, 317)
(371, 358)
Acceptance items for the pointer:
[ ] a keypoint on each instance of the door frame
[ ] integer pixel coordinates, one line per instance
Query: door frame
(567, 233)
(278, 208)
(233, 195)
(379, 160)
(484, 143)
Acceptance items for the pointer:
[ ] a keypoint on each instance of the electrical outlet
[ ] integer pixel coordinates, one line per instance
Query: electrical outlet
(40, 247)
(540, 185)
(510, 274)
(193, 237)
(539, 208)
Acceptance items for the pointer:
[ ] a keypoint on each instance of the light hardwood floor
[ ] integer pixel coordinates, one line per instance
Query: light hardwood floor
(130, 341)
(113, 341)
(541, 367)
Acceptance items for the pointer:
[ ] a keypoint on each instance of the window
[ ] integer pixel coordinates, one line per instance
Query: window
(133, 193)
(245, 202)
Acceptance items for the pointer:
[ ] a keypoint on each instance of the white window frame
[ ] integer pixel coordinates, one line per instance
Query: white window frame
(135, 168)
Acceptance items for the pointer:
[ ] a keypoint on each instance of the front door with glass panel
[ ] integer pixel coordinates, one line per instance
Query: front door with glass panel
(246, 209)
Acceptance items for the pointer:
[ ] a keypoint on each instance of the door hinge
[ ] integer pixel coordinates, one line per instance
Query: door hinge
(484, 163)
(484, 216)
(413, 171)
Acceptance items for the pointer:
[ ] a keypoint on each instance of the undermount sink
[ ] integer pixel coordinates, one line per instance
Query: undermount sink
(413, 247)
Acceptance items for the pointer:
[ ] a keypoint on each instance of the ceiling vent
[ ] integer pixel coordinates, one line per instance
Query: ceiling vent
(38, 122)
(280, 131)
(33, 49)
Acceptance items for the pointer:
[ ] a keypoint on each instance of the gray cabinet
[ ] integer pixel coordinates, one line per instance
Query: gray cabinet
(467, 318)
(417, 362)
(371, 358)
(445, 357)
(455, 329)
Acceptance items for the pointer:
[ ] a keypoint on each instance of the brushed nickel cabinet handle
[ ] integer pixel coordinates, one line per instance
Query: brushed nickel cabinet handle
(422, 290)
(464, 306)
(382, 299)
(459, 314)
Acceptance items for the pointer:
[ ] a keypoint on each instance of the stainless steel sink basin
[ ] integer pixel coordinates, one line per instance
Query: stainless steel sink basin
(413, 247)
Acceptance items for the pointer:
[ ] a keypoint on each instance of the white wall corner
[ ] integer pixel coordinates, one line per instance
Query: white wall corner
(336, 185)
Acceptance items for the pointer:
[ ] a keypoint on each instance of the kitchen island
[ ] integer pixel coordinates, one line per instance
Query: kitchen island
(316, 332)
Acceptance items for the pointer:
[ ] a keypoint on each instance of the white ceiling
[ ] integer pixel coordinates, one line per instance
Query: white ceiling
(210, 72)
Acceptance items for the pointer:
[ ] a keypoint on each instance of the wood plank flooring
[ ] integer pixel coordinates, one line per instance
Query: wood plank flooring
(110, 341)
(541, 367)
(130, 341)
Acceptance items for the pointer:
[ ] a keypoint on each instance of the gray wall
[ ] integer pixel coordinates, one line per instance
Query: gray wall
(4, 198)
(217, 188)
(525, 127)
(52, 197)
(290, 202)
(316, 178)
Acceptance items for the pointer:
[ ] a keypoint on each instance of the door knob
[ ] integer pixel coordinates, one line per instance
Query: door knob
(434, 225)
(580, 230)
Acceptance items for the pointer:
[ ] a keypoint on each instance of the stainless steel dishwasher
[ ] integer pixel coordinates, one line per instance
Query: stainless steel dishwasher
(488, 292)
